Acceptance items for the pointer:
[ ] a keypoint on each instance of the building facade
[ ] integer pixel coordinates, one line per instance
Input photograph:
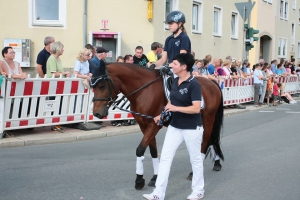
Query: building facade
(279, 24)
(214, 26)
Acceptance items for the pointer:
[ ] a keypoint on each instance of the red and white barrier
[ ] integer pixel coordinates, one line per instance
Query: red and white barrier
(292, 84)
(27, 102)
(2, 106)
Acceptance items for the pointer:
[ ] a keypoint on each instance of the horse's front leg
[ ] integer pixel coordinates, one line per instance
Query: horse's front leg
(155, 161)
(149, 135)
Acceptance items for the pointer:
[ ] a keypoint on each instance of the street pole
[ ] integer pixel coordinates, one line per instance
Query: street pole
(244, 56)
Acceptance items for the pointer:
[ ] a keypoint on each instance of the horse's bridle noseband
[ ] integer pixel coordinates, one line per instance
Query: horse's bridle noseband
(111, 85)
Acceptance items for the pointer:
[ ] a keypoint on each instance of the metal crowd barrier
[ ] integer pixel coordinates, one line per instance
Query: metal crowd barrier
(36, 102)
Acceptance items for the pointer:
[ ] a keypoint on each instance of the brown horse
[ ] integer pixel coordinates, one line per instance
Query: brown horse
(144, 89)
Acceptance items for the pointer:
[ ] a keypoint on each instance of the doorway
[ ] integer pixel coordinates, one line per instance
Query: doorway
(265, 48)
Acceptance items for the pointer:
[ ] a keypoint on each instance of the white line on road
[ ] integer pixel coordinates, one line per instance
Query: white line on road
(291, 112)
(267, 111)
(283, 109)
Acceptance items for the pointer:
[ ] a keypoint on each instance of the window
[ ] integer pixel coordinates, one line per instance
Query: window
(293, 34)
(282, 47)
(197, 17)
(234, 25)
(217, 31)
(171, 5)
(48, 13)
(294, 4)
(284, 8)
(298, 49)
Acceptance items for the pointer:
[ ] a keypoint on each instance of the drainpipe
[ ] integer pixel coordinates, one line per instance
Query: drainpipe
(84, 22)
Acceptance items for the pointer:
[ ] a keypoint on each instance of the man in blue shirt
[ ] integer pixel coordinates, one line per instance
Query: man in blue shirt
(211, 67)
(273, 66)
(244, 68)
(99, 59)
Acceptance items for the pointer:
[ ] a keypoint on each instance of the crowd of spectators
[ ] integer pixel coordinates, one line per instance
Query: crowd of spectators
(261, 72)
(92, 58)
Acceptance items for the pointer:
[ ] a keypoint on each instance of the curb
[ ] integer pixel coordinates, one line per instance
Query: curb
(64, 138)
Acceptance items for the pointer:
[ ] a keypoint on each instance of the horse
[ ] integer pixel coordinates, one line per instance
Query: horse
(143, 87)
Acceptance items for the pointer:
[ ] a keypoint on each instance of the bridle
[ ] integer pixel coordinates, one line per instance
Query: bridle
(111, 85)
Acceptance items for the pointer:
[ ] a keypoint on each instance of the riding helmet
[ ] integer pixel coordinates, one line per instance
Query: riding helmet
(175, 16)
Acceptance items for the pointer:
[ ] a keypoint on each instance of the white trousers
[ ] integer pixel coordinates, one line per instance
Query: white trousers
(193, 140)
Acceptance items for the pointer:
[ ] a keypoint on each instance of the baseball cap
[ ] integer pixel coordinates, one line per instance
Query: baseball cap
(101, 50)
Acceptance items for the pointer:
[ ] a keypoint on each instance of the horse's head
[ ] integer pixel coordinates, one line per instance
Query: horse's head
(104, 95)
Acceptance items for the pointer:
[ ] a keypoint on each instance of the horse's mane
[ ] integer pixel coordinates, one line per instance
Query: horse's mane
(130, 65)
(135, 66)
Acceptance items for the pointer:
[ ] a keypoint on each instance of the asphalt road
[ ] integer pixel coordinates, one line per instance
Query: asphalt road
(261, 151)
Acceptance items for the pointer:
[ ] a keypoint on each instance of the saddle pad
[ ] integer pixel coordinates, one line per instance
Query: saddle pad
(167, 92)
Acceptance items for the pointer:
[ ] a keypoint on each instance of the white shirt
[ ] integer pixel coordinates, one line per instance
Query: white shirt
(226, 71)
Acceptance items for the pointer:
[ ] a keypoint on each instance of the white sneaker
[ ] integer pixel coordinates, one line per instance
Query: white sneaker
(195, 196)
(293, 102)
(152, 196)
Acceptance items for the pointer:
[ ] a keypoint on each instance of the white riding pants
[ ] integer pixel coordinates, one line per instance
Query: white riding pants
(193, 140)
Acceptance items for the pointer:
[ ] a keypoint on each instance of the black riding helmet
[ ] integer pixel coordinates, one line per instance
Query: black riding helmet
(175, 16)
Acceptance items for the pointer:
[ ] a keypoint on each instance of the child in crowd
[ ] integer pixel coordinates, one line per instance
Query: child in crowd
(275, 91)
(268, 91)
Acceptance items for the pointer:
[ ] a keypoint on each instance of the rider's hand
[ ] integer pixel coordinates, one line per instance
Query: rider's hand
(152, 66)
(165, 69)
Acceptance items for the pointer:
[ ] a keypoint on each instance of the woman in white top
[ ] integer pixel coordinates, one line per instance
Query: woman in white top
(226, 67)
(81, 66)
(249, 71)
(9, 66)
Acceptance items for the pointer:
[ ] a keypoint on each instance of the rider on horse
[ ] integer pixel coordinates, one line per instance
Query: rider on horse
(178, 42)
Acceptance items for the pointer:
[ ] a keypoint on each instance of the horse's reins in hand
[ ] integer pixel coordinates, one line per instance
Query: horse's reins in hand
(135, 91)
(165, 116)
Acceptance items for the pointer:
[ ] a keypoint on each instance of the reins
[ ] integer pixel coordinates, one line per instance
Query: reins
(112, 101)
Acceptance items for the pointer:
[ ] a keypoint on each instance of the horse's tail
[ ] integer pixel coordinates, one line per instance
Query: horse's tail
(217, 127)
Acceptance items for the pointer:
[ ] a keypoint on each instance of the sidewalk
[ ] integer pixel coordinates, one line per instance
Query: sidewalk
(43, 135)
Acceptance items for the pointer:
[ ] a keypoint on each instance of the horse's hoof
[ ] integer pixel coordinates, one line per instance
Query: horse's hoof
(190, 177)
(217, 166)
(140, 184)
(152, 181)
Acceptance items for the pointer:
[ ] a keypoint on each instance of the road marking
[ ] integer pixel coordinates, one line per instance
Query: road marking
(283, 109)
(290, 112)
(267, 111)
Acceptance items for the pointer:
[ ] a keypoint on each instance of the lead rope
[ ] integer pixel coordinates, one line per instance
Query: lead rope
(164, 117)
(135, 113)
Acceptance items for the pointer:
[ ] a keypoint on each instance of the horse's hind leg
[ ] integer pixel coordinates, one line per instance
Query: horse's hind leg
(217, 164)
(155, 161)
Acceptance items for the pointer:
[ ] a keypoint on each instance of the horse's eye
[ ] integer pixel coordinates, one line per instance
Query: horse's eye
(101, 87)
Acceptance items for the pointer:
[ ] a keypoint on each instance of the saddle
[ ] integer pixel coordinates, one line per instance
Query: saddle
(168, 77)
